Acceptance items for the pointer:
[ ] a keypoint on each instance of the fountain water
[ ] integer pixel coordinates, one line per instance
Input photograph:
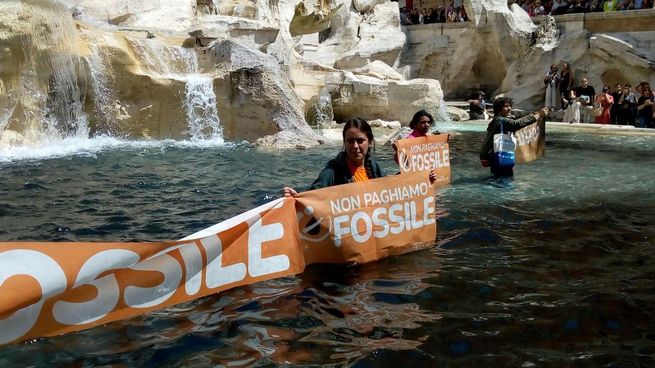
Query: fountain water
(46, 90)
(199, 98)
(201, 111)
(103, 93)
(51, 66)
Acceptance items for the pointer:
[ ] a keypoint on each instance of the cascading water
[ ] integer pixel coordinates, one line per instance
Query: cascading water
(158, 58)
(443, 118)
(201, 111)
(442, 114)
(47, 66)
(43, 84)
(199, 98)
(103, 94)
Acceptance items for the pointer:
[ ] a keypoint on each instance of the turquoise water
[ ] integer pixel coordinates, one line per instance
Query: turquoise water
(553, 269)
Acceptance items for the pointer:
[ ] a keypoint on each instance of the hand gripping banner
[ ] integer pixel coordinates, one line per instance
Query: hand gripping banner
(422, 154)
(51, 288)
(530, 142)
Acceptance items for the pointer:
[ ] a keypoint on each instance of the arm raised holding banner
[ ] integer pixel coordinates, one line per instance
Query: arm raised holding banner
(502, 124)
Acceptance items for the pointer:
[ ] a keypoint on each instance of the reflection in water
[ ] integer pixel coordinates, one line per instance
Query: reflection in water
(555, 270)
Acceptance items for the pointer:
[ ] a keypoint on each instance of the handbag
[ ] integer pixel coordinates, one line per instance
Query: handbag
(504, 147)
(597, 110)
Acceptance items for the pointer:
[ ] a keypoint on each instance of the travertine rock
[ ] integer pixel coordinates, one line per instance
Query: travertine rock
(373, 98)
(379, 123)
(254, 93)
(287, 140)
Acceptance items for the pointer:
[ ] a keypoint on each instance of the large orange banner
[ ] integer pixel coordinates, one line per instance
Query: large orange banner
(530, 142)
(49, 288)
(425, 154)
(53, 288)
(364, 222)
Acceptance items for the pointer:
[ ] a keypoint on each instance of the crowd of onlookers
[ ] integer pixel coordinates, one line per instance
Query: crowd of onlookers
(556, 7)
(452, 13)
(623, 106)
(442, 14)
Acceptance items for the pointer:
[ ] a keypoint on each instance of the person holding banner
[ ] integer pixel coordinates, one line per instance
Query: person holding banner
(502, 123)
(420, 125)
(352, 165)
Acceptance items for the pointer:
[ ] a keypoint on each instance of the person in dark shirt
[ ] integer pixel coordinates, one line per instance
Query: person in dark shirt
(565, 84)
(614, 112)
(586, 96)
(478, 107)
(354, 163)
(627, 106)
(645, 107)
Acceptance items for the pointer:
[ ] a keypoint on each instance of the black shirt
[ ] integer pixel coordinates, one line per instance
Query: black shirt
(586, 91)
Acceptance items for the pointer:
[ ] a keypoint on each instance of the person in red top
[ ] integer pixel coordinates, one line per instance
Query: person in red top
(605, 100)
(420, 124)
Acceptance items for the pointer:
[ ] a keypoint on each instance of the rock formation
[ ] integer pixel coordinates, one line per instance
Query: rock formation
(503, 52)
(243, 69)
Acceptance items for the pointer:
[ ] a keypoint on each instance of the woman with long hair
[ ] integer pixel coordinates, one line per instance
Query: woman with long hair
(354, 163)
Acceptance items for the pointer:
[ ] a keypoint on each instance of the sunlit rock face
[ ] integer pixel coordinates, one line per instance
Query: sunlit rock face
(358, 37)
(503, 52)
(256, 95)
(197, 69)
(387, 99)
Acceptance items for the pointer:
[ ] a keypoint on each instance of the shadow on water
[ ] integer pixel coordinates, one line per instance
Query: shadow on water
(553, 270)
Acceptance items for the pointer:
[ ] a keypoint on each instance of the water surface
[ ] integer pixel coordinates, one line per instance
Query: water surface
(553, 269)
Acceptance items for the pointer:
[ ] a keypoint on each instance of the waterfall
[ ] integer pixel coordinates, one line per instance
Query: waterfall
(164, 60)
(199, 99)
(48, 66)
(201, 111)
(43, 79)
(103, 94)
(442, 114)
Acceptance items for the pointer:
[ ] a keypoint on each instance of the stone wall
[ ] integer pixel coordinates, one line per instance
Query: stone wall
(605, 47)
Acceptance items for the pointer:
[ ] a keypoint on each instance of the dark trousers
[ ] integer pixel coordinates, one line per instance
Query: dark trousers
(626, 116)
(502, 172)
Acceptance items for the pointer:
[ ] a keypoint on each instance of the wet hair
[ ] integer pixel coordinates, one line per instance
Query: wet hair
(361, 124)
(417, 117)
(499, 103)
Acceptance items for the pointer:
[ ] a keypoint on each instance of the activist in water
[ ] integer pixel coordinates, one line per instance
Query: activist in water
(502, 109)
(420, 125)
(353, 163)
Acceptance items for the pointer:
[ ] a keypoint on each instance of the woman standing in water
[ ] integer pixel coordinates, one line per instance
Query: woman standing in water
(502, 123)
(353, 164)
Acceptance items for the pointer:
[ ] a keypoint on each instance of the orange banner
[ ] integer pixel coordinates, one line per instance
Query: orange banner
(368, 221)
(50, 288)
(530, 142)
(422, 154)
